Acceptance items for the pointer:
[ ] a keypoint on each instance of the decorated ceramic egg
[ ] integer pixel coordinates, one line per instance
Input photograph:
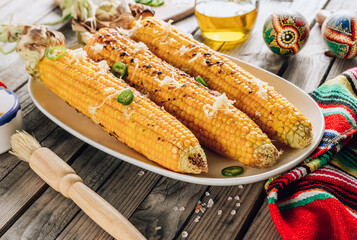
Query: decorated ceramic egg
(286, 33)
(340, 34)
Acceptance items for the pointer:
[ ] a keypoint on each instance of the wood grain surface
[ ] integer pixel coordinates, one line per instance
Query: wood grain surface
(160, 207)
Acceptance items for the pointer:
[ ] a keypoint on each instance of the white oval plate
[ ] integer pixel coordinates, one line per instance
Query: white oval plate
(83, 128)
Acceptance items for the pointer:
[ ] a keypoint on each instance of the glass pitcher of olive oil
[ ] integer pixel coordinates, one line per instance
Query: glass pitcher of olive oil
(226, 20)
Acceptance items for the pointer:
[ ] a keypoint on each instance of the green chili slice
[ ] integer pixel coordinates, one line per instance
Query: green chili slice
(145, 2)
(126, 97)
(200, 80)
(120, 70)
(55, 52)
(232, 171)
(157, 3)
(137, 1)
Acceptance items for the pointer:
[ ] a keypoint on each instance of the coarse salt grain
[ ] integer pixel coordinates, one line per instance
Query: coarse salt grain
(181, 208)
(240, 186)
(210, 203)
(207, 194)
(197, 219)
(203, 210)
(233, 212)
(197, 211)
(219, 212)
(176, 208)
(141, 173)
(199, 202)
(230, 198)
(238, 204)
(184, 234)
(158, 228)
(236, 198)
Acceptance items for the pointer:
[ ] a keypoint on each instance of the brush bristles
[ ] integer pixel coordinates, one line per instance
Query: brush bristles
(23, 145)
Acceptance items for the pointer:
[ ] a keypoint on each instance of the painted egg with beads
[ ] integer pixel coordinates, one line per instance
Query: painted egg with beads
(340, 34)
(285, 33)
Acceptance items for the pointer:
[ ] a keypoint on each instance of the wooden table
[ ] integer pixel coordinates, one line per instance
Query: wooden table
(160, 207)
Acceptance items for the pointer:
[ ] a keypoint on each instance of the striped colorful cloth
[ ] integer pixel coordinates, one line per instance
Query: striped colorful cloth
(318, 198)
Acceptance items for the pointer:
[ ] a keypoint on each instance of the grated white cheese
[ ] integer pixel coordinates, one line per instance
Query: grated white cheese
(170, 81)
(123, 31)
(77, 55)
(236, 197)
(183, 50)
(219, 212)
(207, 194)
(258, 114)
(97, 48)
(221, 103)
(167, 28)
(230, 198)
(141, 173)
(103, 67)
(182, 208)
(126, 114)
(140, 46)
(93, 109)
(135, 68)
(195, 57)
(238, 204)
(176, 209)
(262, 88)
(233, 212)
(184, 234)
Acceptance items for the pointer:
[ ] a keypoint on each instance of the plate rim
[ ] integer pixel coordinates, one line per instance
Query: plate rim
(185, 177)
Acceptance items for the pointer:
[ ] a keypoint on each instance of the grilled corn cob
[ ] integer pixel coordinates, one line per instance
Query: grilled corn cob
(88, 87)
(275, 115)
(212, 118)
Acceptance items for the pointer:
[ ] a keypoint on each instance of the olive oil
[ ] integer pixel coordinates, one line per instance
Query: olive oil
(228, 21)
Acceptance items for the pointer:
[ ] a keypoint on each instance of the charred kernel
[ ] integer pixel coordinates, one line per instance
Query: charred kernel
(132, 60)
(123, 54)
(147, 66)
(159, 73)
(250, 92)
(207, 54)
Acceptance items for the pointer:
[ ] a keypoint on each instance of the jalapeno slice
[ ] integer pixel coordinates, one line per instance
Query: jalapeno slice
(126, 97)
(232, 171)
(157, 3)
(55, 52)
(200, 80)
(120, 70)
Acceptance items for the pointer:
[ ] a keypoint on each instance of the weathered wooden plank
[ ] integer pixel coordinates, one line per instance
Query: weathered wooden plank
(51, 213)
(188, 24)
(166, 208)
(125, 189)
(307, 68)
(225, 219)
(341, 65)
(21, 186)
(262, 226)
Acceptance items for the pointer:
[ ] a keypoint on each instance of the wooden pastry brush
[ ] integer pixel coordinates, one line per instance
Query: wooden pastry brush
(61, 177)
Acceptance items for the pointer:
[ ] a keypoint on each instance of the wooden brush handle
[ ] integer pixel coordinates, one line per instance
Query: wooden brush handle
(61, 177)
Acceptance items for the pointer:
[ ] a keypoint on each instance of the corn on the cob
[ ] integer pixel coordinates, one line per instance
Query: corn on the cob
(275, 115)
(214, 121)
(142, 125)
